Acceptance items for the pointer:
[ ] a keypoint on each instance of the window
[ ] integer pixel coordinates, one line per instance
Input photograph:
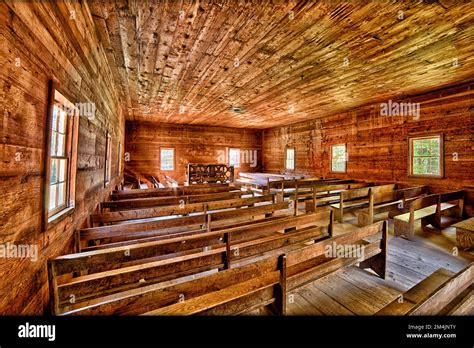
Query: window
(290, 158)
(61, 156)
(108, 159)
(234, 158)
(426, 156)
(338, 158)
(167, 159)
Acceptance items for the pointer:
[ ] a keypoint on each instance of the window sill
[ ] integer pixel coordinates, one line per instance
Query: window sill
(426, 176)
(59, 216)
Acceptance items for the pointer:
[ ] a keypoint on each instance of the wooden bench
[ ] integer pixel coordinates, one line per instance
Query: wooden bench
(442, 293)
(135, 203)
(180, 209)
(118, 235)
(171, 191)
(265, 283)
(357, 198)
(391, 201)
(286, 188)
(429, 210)
(82, 277)
(329, 193)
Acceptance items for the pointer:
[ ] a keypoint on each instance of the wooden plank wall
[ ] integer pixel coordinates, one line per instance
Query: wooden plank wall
(42, 41)
(377, 145)
(192, 144)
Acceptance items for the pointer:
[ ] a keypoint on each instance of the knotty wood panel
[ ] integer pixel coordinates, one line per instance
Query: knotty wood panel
(318, 57)
(378, 145)
(42, 41)
(192, 144)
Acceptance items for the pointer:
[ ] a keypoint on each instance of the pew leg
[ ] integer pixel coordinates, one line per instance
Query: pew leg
(338, 215)
(363, 219)
(402, 228)
(309, 207)
(378, 262)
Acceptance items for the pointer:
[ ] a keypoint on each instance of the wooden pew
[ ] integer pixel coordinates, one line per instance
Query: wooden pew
(136, 203)
(180, 209)
(392, 202)
(329, 193)
(118, 235)
(114, 270)
(264, 283)
(171, 191)
(357, 198)
(442, 293)
(429, 210)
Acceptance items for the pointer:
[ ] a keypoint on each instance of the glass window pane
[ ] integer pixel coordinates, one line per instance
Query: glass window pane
(61, 188)
(167, 159)
(426, 156)
(62, 170)
(62, 122)
(338, 158)
(290, 158)
(52, 197)
(53, 143)
(434, 166)
(54, 171)
(61, 145)
(54, 121)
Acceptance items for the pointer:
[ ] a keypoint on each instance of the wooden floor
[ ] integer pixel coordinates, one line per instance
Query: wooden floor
(352, 291)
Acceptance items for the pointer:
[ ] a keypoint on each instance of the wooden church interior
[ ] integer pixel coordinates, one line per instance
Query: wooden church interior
(219, 157)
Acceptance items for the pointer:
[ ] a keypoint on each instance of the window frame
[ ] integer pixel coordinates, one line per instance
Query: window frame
(108, 159)
(174, 158)
(119, 158)
(55, 97)
(229, 157)
(331, 159)
(410, 156)
(286, 158)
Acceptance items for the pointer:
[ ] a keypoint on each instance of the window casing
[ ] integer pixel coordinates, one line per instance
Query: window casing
(61, 157)
(426, 156)
(290, 158)
(234, 158)
(338, 158)
(167, 159)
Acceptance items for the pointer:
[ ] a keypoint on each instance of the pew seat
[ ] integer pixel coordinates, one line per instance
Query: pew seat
(429, 209)
(425, 212)
(443, 292)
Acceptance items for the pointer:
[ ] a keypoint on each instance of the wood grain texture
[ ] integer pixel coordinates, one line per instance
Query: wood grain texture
(41, 41)
(192, 144)
(273, 56)
(377, 145)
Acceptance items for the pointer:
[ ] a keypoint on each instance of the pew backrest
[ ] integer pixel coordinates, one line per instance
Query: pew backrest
(181, 209)
(97, 237)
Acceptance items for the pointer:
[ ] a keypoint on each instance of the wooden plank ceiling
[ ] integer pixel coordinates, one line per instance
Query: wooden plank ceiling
(189, 62)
